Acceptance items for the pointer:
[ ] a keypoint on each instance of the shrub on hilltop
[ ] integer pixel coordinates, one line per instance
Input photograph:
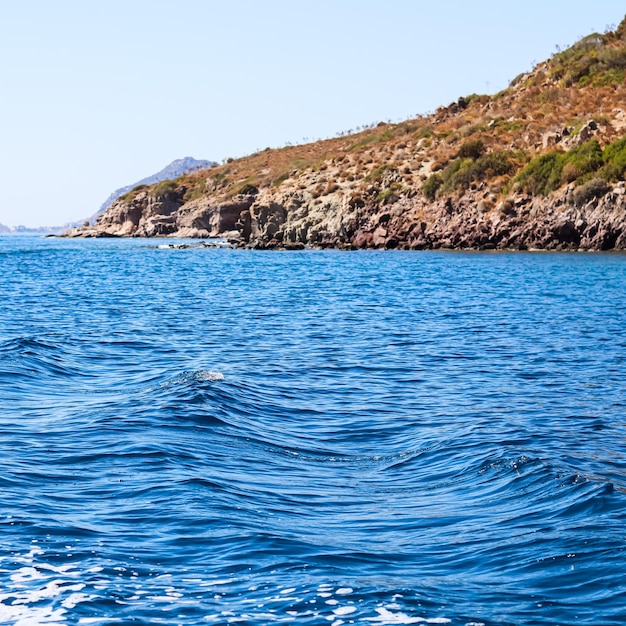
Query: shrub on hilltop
(594, 60)
(163, 188)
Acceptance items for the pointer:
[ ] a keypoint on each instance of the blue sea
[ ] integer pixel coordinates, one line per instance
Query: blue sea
(216, 436)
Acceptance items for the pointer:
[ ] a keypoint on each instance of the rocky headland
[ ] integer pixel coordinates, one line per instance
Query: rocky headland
(539, 165)
(175, 169)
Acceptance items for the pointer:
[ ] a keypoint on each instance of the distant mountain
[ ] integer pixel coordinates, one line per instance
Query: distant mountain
(175, 169)
(4, 229)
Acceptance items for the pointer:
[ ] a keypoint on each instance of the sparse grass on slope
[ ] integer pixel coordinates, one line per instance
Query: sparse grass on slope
(475, 141)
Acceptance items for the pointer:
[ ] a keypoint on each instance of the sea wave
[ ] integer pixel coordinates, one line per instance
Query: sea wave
(252, 438)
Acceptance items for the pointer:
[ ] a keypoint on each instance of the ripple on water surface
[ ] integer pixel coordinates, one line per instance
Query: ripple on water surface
(216, 436)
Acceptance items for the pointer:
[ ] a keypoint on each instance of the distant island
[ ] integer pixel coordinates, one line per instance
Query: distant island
(539, 165)
(40, 230)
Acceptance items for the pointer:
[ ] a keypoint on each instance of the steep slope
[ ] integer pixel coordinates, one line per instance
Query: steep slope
(538, 165)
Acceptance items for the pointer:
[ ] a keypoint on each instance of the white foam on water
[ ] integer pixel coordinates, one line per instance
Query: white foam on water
(51, 590)
(34, 583)
(209, 375)
(385, 616)
(200, 375)
(26, 574)
(344, 610)
(63, 587)
(75, 599)
(344, 591)
(31, 616)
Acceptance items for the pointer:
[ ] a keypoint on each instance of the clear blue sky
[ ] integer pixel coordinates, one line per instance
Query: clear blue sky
(96, 95)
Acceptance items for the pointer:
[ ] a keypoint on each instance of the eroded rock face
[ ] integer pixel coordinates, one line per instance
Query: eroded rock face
(289, 218)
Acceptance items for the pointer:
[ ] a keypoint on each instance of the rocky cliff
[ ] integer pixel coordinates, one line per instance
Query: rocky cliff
(539, 165)
(173, 170)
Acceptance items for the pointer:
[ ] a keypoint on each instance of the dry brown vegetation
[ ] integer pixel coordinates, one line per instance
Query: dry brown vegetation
(478, 138)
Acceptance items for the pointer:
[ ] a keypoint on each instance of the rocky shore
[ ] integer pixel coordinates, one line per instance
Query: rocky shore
(289, 219)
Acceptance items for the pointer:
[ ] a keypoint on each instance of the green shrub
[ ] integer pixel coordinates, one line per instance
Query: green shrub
(130, 196)
(592, 60)
(432, 185)
(570, 173)
(457, 174)
(389, 195)
(195, 190)
(245, 187)
(163, 188)
(542, 174)
(497, 163)
(549, 171)
(614, 157)
(480, 98)
(462, 172)
(582, 164)
(610, 77)
(424, 133)
(378, 173)
(594, 188)
(585, 159)
(472, 149)
(510, 125)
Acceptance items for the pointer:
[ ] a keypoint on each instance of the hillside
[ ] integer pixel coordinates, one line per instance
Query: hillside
(538, 165)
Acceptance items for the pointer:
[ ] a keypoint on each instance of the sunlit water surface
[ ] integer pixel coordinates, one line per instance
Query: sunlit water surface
(200, 436)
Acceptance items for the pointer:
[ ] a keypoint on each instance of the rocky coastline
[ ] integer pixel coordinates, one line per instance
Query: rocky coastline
(288, 219)
(540, 165)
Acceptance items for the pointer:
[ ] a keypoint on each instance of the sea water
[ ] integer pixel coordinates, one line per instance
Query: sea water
(214, 436)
